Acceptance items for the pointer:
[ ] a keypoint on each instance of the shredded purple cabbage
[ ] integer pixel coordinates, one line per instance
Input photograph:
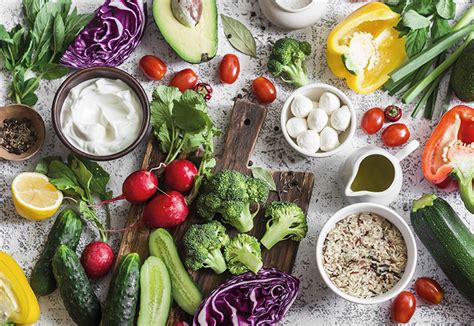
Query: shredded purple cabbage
(249, 299)
(111, 36)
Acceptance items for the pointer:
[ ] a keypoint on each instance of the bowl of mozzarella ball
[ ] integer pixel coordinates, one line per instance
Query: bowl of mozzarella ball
(318, 120)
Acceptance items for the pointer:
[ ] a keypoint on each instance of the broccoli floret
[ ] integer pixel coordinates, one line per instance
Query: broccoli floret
(243, 254)
(203, 243)
(287, 61)
(287, 221)
(230, 195)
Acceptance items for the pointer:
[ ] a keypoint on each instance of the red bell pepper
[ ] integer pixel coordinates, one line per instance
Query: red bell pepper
(449, 153)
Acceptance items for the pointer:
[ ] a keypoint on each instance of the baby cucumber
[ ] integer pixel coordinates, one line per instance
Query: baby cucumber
(185, 292)
(121, 303)
(155, 293)
(67, 229)
(78, 297)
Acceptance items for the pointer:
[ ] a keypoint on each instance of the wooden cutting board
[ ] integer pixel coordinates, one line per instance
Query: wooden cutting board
(245, 124)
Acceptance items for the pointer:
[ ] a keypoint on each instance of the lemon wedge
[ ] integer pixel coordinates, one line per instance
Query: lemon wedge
(35, 198)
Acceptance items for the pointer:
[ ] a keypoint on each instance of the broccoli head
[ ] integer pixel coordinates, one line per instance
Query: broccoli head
(203, 243)
(287, 61)
(230, 194)
(243, 254)
(287, 221)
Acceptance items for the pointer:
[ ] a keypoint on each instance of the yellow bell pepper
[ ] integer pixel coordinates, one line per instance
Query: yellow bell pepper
(18, 303)
(377, 19)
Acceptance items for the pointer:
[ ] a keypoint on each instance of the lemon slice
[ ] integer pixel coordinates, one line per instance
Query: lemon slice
(35, 198)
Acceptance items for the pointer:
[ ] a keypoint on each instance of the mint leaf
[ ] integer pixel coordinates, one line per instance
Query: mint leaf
(446, 8)
(264, 175)
(439, 28)
(416, 41)
(53, 71)
(414, 20)
(42, 165)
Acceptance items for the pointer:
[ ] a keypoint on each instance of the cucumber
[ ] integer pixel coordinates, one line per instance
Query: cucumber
(67, 229)
(447, 239)
(78, 297)
(185, 292)
(121, 303)
(155, 293)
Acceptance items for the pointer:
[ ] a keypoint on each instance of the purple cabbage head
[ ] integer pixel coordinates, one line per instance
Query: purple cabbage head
(111, 36)
(249, 299)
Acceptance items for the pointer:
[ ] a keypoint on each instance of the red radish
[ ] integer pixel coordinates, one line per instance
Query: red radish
(180, 175)
(97, 259)
(166, 210)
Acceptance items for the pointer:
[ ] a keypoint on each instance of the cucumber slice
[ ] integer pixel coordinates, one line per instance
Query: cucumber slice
(155, 293)
(185, 292)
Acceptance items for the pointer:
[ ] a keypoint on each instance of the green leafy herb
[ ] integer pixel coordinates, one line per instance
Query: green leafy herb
(440, 28)
(416, 41)
(264, 175)
(446, 8)
(414, 20)
(239, 36)
(36, 46)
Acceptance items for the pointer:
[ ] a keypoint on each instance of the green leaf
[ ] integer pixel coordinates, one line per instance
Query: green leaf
(446, 8)
(100, 177)
(414, 20)
(424, 7)
(416, 41)
(68, 188)
(42, 165)
(53, 71)
(4, 35)
(397, 5)
(58, 34)
(83, 175)
(189, 119)
(166, 94)
(58, 169)
(29, 99)
(191, 142)
(239, 36)
(264, 175)
(74, 24)
(31, 9)
(163, 136)
(160, 114)
(439, 28)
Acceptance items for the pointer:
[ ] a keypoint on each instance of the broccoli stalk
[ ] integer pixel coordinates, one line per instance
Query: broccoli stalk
(287, 61)
(215, 260)
(243, 254)
(287, 221)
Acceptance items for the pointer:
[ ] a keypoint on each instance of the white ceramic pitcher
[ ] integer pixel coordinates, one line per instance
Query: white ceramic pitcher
(349, 169)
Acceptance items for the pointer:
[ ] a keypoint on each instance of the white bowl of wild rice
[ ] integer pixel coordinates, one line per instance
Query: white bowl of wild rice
(366, 253)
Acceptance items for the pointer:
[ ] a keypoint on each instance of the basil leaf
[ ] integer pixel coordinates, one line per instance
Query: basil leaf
(446, 8)
(42, 165)
(74, 24)
(68, 188)
(53, 71)
(439, 28)
(424, 7)
(397, 5)
(264, 175)
(414, 20)
(4, 35)
(239, 36)
(83, 175)
(188, 119)
(31, 8)
(416, 41)
(58, 35)
(29, 99)
(100, 177)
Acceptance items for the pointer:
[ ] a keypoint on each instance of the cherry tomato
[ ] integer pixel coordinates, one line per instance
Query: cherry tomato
(264, 90)
(395, 135)
(372, 121)
(229, 68)
(393, 113)
(429, 289)
(152, 67)
(403, 307)
(184, 79)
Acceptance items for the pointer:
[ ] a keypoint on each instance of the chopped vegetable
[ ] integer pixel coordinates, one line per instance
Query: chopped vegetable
(243, 254)
(249, 299)
(109, 39)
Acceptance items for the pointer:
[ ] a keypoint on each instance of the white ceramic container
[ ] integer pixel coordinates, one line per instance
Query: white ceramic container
(348, 171)
(396, 220)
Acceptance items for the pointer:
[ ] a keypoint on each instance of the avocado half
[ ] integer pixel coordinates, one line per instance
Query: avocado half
(462, 77)
(194, 44)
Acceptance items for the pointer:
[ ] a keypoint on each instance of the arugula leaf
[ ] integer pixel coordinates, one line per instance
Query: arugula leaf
(414, 20)
(446, 8)
(439, 28)
(100, 177)
(416, 41)
(83, 175)
(264, 175)
(187, 118)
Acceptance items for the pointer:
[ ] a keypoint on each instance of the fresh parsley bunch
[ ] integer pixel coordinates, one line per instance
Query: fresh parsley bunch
(30, 51)
(182, 125)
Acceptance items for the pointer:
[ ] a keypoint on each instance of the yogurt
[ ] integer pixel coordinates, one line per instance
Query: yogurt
(101, 116)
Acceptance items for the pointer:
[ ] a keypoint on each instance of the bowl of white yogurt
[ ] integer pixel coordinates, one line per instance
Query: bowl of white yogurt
(318, 120)
(101, 113)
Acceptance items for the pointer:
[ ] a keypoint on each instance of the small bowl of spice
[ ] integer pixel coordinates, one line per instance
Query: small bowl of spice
(366, 253)
(22, 132)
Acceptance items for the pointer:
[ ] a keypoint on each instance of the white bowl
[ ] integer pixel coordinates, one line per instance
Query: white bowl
(396, 220)
(314, 92)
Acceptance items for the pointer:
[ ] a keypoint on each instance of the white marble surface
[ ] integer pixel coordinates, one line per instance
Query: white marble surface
(316, 304)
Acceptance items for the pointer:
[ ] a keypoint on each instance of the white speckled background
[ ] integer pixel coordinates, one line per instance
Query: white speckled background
(316, 304)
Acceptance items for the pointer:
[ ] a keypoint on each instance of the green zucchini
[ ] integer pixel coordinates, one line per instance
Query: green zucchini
(448, 240)
(185, 292)
(67, 229)
(121, 303)
(78, 296)
(155, 293)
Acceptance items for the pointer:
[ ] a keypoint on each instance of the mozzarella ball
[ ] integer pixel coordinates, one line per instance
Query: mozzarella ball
(315, 104)
(341, 118)
(317, 119)
(329, 139)
(308, 140)
(329, 102)
(301, 106)
(295, 126)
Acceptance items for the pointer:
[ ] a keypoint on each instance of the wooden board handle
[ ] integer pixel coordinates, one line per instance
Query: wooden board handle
(244, 126)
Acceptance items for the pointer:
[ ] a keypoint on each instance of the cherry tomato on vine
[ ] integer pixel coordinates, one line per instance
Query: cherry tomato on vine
(403, 307)
(184, 79)
(152, 67)
(372, 121)
(264, 90)
(395, 135)
(229, 68)
(429, 290)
